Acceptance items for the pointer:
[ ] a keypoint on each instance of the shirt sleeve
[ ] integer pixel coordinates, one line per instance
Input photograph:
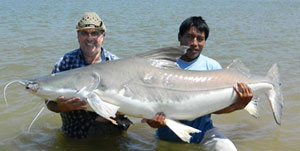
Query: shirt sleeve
(217, 66)
(213, 64)
(57, 66)
(110, 56)
(114, 57)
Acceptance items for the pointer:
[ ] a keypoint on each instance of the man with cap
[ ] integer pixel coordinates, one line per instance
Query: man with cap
(77, 122)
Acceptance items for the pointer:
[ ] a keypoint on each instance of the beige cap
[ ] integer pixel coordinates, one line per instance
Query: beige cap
(90, 20)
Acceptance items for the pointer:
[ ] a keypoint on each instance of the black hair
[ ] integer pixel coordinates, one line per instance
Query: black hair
(195, 21)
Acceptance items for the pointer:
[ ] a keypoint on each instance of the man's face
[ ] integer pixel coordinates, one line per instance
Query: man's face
(90, 40)
(194, 39)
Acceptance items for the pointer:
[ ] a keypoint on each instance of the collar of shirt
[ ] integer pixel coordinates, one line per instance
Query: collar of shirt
(103, 56)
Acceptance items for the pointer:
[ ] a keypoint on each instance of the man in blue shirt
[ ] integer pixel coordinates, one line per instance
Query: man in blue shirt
(194, 32)
(77, 122)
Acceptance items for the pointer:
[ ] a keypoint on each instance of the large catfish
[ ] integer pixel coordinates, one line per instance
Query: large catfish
(151, 82)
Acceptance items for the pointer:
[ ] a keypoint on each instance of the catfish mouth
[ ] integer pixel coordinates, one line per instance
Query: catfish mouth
(32, 86)
(29, 85)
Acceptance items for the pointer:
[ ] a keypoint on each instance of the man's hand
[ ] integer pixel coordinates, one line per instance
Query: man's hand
(63, 105)
(70, 105)
(157, 122)
(245, 95)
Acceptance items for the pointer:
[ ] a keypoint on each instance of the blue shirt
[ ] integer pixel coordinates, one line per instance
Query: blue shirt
(203, 123)
(77, 123)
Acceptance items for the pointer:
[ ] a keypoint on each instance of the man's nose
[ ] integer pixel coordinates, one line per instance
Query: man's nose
(194, 42)
(90, 37)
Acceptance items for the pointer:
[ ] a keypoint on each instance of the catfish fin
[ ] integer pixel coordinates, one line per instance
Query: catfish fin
(104, 109)
(239, 65)
(274, 95)
(252, 107)
(93, 82)
(164, 57)
(181, 130)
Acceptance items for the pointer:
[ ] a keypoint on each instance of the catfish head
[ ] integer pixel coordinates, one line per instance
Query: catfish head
(72, 83)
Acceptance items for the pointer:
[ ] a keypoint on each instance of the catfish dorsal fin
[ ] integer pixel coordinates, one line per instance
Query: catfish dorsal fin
(164, 57)
(238, 65)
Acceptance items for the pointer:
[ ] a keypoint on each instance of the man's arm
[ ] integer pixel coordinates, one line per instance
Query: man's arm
(245, 95)
(157, 122)
(52, 106)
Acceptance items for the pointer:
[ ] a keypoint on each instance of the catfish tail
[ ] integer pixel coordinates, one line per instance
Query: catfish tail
(274, 95)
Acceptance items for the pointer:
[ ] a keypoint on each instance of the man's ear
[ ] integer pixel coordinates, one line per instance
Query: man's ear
(78, 36)
(179, 37)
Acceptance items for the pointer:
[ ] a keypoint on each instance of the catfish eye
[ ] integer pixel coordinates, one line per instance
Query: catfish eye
(32, 86)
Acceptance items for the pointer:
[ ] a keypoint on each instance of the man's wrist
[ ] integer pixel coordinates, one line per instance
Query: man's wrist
(53, 106)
